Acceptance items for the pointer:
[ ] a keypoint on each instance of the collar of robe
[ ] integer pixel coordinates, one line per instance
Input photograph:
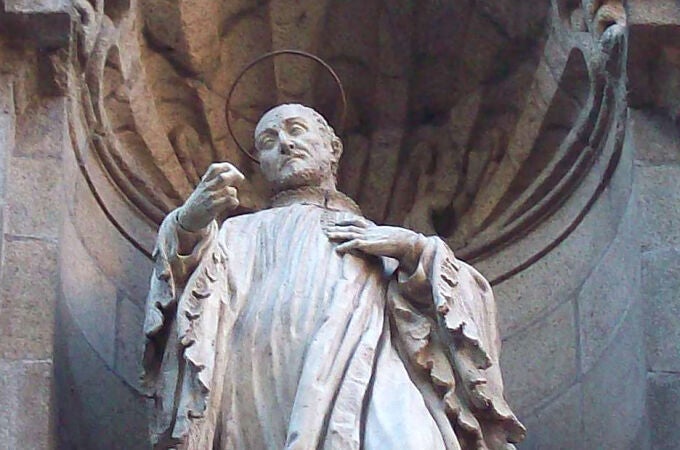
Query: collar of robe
(332, 200)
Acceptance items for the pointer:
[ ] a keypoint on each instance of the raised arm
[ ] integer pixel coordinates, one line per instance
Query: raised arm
(187, 231)
(186, 239)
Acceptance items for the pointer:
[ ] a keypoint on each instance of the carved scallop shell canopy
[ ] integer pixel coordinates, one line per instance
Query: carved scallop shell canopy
(463, 120)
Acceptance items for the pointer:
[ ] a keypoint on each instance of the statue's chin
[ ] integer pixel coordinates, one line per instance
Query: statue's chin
(304, 177)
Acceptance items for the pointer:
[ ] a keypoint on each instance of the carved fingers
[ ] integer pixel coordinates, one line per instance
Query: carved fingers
(356, 222)
(215, 194)
(360, 234)
(363, 236)
(223, 172)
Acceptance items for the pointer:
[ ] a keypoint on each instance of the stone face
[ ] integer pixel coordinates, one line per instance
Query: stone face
(95, 406)
(541, 359)
(35, 6)
(33, 190)
(653, 13)
(46, 23)
(7, 125)
(129, 327)
(610, 290)
(660, 206)
(89, 294)
(558, 425)
(41, 130)
(119, 260)
(654, 63)
(657, 139)
(661, 291)
(664, 408)
(614, 390)
(558, 276)
(29, 292)
(25, 394)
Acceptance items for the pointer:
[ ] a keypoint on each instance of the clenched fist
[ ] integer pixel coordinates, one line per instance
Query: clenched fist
(215, 194)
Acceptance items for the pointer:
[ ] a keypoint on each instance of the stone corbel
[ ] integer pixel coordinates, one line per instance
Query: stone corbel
(46, 26)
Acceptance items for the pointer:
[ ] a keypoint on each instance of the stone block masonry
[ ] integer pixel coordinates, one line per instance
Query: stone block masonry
(30, 210)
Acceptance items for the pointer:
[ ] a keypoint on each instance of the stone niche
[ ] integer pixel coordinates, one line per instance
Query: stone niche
(501, 126)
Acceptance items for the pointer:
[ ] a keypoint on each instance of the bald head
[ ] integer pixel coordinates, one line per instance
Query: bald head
(296, 147)
(281, 112)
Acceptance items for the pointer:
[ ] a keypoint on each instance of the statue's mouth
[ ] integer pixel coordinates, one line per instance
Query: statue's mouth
(293, 158)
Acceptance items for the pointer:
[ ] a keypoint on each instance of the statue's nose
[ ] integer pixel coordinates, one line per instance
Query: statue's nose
(285, 146)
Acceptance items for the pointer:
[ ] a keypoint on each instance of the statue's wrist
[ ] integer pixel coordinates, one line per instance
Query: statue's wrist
(186, 227)
(414, 250)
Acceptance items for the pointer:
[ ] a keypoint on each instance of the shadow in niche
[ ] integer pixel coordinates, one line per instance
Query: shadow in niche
(116, 9)
(553, 154)
(95, 409)
(572, 14)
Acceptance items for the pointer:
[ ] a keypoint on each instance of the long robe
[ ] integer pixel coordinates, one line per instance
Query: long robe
(264, 337)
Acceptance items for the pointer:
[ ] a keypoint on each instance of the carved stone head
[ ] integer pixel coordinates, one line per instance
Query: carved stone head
(297, 148)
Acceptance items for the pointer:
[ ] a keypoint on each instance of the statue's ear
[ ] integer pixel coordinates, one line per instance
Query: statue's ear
(336, 147)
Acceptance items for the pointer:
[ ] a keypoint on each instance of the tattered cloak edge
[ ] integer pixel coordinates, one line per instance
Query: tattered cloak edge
(443, 326)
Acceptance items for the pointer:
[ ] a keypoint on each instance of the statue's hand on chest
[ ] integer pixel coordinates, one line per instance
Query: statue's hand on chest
(361, 235)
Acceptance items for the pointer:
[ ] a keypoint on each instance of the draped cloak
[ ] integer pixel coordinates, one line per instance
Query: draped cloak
(262, 336)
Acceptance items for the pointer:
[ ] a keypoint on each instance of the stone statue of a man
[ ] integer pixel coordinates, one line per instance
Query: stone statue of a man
(306, 326)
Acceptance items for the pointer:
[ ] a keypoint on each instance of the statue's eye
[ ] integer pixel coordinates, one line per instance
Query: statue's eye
(297, 129)
(266, 142)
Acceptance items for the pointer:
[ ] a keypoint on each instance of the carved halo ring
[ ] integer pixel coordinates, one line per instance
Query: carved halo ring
(273, 54)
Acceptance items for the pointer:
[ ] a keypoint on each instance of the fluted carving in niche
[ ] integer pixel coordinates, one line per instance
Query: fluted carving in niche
(474, 120)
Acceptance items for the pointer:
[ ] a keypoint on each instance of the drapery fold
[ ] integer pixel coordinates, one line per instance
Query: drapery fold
(265, 337)
(455, 341)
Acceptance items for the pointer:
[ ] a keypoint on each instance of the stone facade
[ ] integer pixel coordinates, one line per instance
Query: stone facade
(546, 137)
(32, 136)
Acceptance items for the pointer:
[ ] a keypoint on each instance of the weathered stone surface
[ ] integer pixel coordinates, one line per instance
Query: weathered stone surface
(557, 276)
(276, 290)
(95, 406)
(612, 287)
(33, 194)
(659, 206)
(28, 297)
(661, 291)
(190, 29)
(7, 127)
(129, 324)
(46, 23)
(540, 360)
(664, 409)
(653, 12)
(41, 130)
(88, 293)
(486, 49)
(35, 6)
(557, 425)
(25, 394)
(657, 139)
(653, 57)
(119, 260)
(381, 164)
(614, 390)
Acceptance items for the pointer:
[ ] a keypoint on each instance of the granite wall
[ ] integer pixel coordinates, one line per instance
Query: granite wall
(655, 121)
(574, 363)
(591, 347)
(32, 131)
